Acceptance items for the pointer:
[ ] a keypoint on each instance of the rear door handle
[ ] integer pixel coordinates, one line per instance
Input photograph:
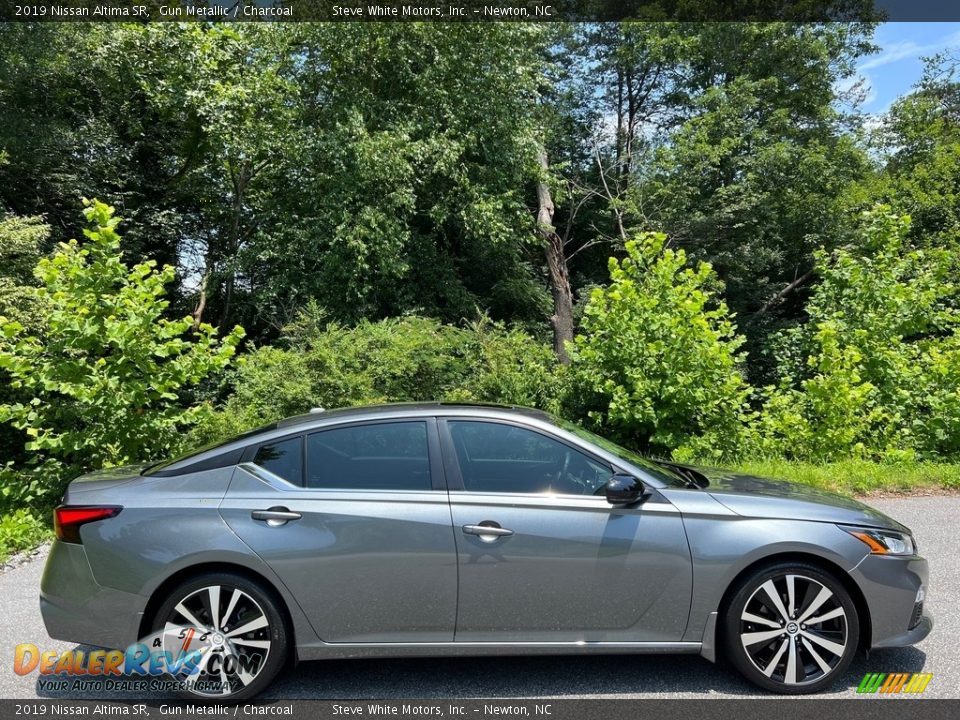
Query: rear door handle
(487, 531)
(275, 516)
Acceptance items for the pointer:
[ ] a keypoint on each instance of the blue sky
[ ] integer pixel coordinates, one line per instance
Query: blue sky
(897, 66)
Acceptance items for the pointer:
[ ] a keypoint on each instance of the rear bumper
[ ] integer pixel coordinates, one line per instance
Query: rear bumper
(77, 609)
(890, 586)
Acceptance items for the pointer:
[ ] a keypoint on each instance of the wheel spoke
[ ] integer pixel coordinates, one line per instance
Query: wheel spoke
(201, 667)
(262, 644)
(224, 680)
(790, 675)
(214, 597)
(256, 624)
(772, 665)
(836, 612)
(791, 594)
(181, 608)
(230, 606)
(750, 617)
(753, 638)
(818, 601)
(245, 677)
(771, 591)
(835, 648)
(824, 665)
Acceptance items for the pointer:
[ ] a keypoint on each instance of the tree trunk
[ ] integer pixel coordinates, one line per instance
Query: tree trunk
(562, 318)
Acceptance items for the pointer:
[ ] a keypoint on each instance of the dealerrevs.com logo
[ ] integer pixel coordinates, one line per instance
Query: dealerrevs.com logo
(177, 659)
(894, 683)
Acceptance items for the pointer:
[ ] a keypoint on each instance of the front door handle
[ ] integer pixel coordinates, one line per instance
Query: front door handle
(487, 531)
(275, 516)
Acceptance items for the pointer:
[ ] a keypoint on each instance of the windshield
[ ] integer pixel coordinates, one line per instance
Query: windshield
(658, 471)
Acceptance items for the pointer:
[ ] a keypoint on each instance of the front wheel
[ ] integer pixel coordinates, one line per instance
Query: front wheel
(791, 628)
(233, 626)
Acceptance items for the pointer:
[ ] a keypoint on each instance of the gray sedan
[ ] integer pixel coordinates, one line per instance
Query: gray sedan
(438, 529)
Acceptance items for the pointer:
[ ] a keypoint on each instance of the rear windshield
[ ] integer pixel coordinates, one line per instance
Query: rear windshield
(159, 467)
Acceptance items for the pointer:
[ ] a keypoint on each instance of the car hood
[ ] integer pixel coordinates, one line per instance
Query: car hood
(765, 498)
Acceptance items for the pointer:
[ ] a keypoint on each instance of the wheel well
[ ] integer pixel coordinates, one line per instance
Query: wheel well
(863, 610)
(159, 595)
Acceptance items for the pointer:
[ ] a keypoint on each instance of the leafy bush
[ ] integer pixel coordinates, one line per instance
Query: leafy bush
(101, 380)
(20, 530)
(394, 360)
(657, 361)
(875, 372)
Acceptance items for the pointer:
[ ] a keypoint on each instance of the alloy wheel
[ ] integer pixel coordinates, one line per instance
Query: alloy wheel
(794, 629)
(231, 632)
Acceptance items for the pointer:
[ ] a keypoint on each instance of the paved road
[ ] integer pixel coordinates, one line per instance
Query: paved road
(934, 520)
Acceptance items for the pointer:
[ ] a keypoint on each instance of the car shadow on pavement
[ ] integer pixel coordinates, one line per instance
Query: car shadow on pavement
(490, 677)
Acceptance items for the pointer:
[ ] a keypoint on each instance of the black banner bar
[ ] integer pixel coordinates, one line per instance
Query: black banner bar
(477, 11)
(872, 708)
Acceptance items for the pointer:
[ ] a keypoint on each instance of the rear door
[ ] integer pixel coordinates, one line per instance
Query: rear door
(355, 521)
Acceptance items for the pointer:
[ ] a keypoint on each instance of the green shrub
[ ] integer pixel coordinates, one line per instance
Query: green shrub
(100, 383)
(393, 360)
(656, 364)
(875, 372)
(20, 530)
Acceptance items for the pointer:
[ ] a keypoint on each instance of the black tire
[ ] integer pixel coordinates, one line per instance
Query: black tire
(789, 655)
(260, 653)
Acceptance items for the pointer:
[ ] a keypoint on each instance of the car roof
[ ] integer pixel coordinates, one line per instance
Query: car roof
(387, 410)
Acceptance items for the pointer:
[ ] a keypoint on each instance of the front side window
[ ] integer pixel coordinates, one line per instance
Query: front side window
(283, 458)
(380, 456)
(496, 457)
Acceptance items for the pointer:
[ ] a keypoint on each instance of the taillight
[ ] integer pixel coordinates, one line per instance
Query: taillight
(67, 520)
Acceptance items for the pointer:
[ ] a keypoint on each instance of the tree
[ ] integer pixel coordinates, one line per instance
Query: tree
(657, 361)
(920, 142)
(102, 380)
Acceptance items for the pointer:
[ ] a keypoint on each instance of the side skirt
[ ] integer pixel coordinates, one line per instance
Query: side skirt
(322, 651)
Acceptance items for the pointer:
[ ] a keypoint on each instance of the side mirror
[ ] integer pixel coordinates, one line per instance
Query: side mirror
(623, 489)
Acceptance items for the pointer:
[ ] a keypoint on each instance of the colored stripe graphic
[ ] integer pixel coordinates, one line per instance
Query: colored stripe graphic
(894, 683)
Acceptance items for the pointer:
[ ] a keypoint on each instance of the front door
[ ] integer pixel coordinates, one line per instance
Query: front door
(543, 558)
(355, 521)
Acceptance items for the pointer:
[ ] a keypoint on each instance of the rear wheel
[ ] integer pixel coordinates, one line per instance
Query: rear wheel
(236, 630)
(792, 628)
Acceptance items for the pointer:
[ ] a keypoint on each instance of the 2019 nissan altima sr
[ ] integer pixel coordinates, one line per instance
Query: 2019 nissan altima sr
(436, 529)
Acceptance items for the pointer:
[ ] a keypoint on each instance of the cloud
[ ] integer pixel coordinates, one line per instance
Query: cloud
(903, 49)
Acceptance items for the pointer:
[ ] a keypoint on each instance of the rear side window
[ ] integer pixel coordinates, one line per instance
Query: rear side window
(380, 456)
(283, 458)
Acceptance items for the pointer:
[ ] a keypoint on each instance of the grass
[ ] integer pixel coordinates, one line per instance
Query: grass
(21, 530)
(859, 477)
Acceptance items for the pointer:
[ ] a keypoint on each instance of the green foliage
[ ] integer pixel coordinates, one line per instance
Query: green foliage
(395, 360)
(20, 530)
(876, 370)
(20, 243)
(657, 362)
(102, 381)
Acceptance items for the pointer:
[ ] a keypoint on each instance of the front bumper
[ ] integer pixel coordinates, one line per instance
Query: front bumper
(75, 608)
(889, 585)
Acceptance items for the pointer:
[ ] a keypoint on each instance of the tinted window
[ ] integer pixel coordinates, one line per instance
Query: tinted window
(382, 456)
(283, 458)
(494, 457)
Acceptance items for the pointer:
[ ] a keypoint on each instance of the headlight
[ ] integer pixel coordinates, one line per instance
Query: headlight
(884, 542)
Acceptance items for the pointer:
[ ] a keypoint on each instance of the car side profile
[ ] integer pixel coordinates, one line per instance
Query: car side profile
(434, 529)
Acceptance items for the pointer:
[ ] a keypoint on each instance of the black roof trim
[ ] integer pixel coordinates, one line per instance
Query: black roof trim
(400, 406)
